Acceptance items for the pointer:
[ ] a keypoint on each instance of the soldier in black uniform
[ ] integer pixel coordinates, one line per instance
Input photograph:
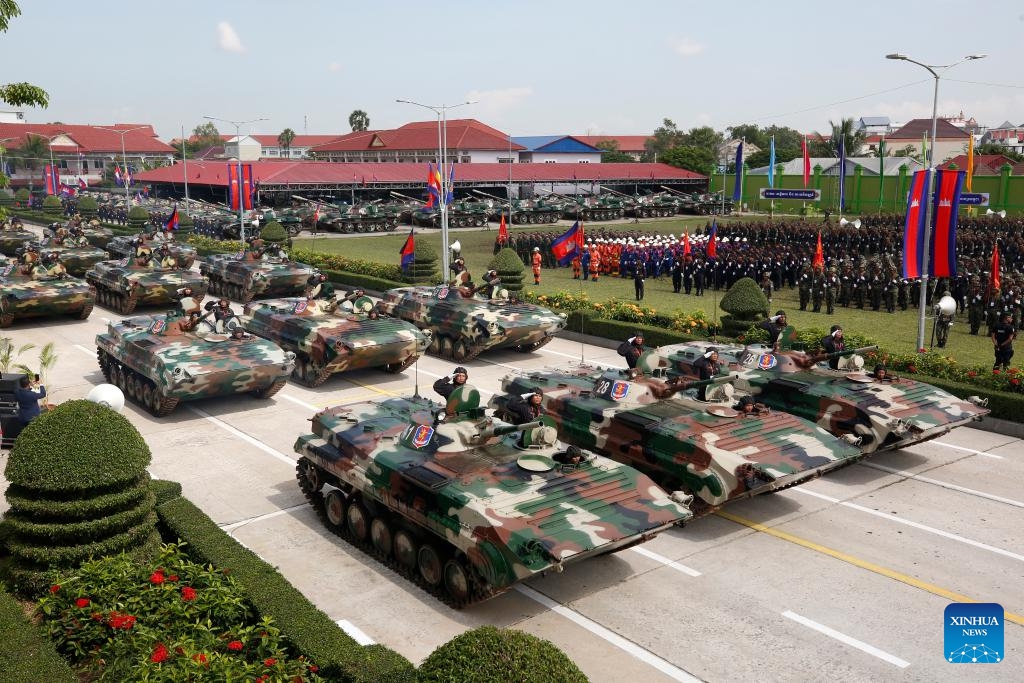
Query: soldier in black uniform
(523, 408)
(817, 289)
(975, 305)
(804, 289)
(446, 385)
(1002, 340)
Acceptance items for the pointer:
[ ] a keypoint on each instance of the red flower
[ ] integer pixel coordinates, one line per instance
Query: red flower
(172, 577)
(314, 668)
(159, 654)
(54, 588)
(995, 371)
(188, 593)
(156, 578)
(269, 661)
(1014, 381)
(121, 621)
(972, 373)
(235, 645)
(96, 616)
(82, 602)
(199, 657)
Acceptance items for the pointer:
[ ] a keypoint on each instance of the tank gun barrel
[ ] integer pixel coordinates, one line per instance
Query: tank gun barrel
(502, 430)
(402, 196)
(489, 196)
(353, 295)
(614, 192)
(839, 354)
(675, 192)
(717, 379)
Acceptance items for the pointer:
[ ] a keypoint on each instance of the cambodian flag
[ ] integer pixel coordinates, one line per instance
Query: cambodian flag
(913, 231)
(451, 184)
(942, 259)
(569, 245)
(82, 184)
(712, 248)
(433, 185)
(172, 222)
(117, 175)
(408, 251)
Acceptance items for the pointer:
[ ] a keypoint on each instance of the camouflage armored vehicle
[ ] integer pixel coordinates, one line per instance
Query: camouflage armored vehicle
(126, 247)
(594, 208)
(157, 362)
(76, 260)
(290, 219)
(656, 205)
(465, 323)
(366, 217)
(326, 338)
(13, 240)
(97, 235)
(848, 403)
(246, 275)
(468, 506)
(705, 448)
(121, 287)
(24, 296)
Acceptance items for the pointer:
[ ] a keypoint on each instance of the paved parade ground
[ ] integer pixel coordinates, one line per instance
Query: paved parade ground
(843, 578)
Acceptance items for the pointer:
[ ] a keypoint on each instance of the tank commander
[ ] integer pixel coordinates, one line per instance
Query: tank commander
(446, 385)
(706, 367)
(632, 349)
(774, 327)
(523, 408)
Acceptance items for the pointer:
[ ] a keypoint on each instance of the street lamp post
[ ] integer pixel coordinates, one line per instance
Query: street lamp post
(238, 146)
(923, 299)
(442, 150)
(124, 158)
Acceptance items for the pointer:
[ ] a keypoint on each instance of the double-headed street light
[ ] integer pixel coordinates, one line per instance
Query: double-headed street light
(923, 300)
(127, 190)
(442, 151)
(238, 145)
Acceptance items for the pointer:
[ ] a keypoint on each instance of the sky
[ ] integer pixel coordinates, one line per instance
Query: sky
(532, 68)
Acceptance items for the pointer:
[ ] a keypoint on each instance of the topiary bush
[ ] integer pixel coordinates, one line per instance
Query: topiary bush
(745, 304)
(88, 207)
(138, 218)
(497, 655)
(423, 270)
(510, 269)
(52, 205)
(273, 232)
(6, 198)
(76, 492)
(22, 196)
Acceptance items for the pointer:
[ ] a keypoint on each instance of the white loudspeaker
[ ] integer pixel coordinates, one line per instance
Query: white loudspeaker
(947, 305)
(720, 392)
(456, 247)
(856, 224)
(843, 222)
(107, 395)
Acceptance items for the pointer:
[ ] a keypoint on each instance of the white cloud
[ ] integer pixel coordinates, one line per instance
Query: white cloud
(228, 39)
(492, 103)
(334, 66)
(684, 47)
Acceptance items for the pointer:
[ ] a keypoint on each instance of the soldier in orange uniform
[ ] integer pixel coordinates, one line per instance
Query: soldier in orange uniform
(595, 264)
(576, 266)
(536, 265)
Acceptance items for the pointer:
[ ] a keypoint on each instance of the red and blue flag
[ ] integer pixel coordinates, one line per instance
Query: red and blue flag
(450, 196)
(712, 248)
(408, 251)
(51, 179)
(172, 221)
(244, 183)
(948, 185)
(913, 230)
(569, 245)
(433, 185)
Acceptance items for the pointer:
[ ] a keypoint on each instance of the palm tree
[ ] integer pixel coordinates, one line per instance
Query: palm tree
(33, 151)
(285, 140)
(853, 139)
(359, 120)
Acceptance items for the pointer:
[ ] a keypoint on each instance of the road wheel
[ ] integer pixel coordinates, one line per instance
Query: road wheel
(334, 506)
(456, 580)
(405, 548)
(460, 350)
(429, 564)
(381, 536)
(311, 474)
(358, 521)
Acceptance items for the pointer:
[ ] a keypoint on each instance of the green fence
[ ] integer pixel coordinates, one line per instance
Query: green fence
(866, 194)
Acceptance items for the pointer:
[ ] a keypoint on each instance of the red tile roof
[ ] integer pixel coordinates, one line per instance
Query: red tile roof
(299, 141)
(89, 139)
(463, 134)
(627, 143)
(298, 172)
(916, 128)
(984, 164)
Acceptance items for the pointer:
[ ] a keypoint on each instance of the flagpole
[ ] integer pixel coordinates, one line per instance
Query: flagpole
(184, 161)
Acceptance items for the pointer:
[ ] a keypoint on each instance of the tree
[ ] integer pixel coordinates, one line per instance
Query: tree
(359, 120)
(694, 159)
(853, 140)
(285, 140)
(705, 137)
(665, 137)
(610, 153)
(749, 132)
(19, 94)
(33, 150)
(996, 148)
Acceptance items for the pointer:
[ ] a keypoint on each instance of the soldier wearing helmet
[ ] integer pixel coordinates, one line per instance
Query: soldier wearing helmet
(446, 385)
(523, 408)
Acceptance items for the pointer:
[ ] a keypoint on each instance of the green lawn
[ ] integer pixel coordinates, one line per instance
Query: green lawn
(895, 332)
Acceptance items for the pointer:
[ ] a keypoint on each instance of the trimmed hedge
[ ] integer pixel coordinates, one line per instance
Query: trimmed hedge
(423, 270)
(510, 269)
(745, 300)
(273, 232)
(26, 656)
(363, 281)
(164, 490)
(307, 628)
(52, 205)
(88, 207)
(22, 196)
(619, 330)
(498, 655)
(29, 502)
(138, 217)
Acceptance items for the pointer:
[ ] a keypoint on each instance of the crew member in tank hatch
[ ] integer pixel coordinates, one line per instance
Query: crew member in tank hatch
(446, 385)
(774, 327)
(525, 408)
(706, 367)
(833, 342)
(632, 349)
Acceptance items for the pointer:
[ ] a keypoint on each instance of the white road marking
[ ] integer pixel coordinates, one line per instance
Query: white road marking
(84, 350)
(916, 525)
(243, 436)
(843, 638)
(665, 667)
(943, 484)
(259, 518)
(665, 561)
(355, 632)
(968, 450)
(299, 402)
(563, 355)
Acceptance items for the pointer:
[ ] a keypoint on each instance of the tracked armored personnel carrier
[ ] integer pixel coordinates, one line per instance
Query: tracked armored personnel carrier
(465, 323)
(468, 506)
(848, 402)
(328, 338)
(246, 275)
(13, 240)
(76, 260)
(705, 448)
(158, 362)
(25, 296)
(121, 287)
(126, 247)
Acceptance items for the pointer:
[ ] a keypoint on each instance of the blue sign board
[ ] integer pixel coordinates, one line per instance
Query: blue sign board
(777, 193)
(974, 198)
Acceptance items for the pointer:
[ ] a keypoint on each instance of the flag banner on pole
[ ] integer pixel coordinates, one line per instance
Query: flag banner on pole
(117, 175)
(807, 164)
(433, 185)
(569, 245)
(408, 251)
(737, 187)
(246, 187)
(771, 162)
(450, 196)
(82, 184)
(994, 281)
(819, 254)
(712, 249)
(502, 231)
(842, 175)
(51, 179)
(942, 261)
(913, 230)
(686, 244)
(172, 222)
(881, 172)
(970, 162)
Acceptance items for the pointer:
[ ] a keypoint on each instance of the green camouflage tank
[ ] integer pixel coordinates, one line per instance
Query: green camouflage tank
(125, 247)
(326, 338)
(76, 260)
(464, 326)
(157, 363)
(122, 287)
(244, 276)
(468, 506)
(706, 448)
(874, 415)
(24, 296)
(97, 235)
(11, 241)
